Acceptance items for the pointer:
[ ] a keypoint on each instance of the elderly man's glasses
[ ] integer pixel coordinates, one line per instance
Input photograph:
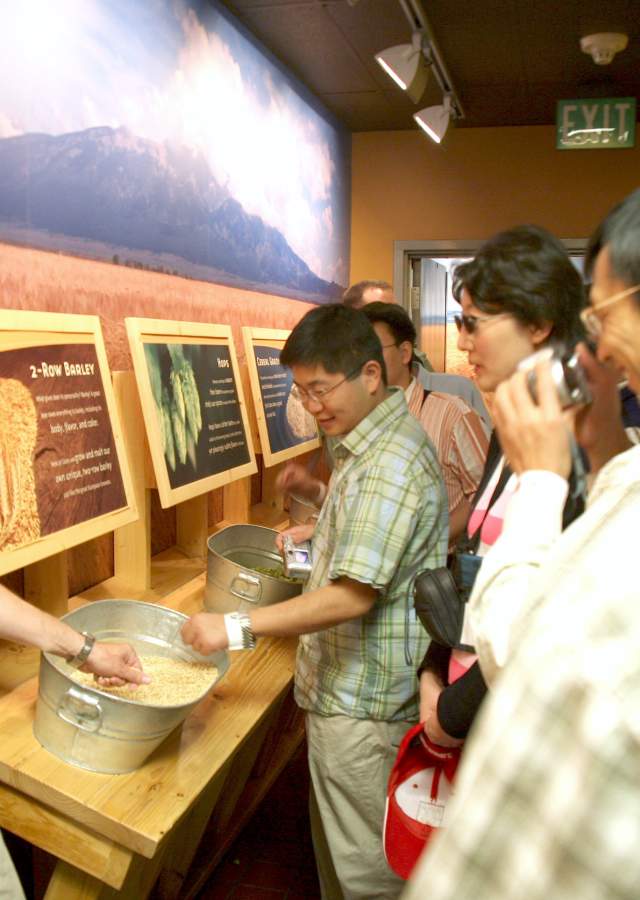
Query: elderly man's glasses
(471, 324)
(319, 394)
(590, 316)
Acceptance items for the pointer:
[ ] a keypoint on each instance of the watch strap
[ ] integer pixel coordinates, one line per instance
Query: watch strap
(83, 654)
(239, 631)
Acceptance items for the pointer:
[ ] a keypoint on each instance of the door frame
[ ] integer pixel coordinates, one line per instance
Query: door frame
(402, 250)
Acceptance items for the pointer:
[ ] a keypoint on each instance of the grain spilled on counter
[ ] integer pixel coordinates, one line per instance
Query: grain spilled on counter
(173, 681)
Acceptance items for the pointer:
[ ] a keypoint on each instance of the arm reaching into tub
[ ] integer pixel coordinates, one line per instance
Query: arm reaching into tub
(23, 623)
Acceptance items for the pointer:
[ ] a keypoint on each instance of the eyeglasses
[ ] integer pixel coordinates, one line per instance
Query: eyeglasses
(471, 324)
(318, 396)
(590, 316)
(386, 346)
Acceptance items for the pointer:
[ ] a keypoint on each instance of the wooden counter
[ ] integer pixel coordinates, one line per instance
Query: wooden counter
(113, 833)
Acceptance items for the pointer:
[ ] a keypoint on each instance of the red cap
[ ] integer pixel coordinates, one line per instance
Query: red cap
(417, 794)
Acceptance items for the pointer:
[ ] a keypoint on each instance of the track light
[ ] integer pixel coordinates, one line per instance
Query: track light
(435, 119)
(406, 64)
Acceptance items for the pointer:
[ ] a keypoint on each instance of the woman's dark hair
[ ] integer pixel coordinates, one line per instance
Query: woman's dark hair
(527, 272)
(620, 232)
(336, 337)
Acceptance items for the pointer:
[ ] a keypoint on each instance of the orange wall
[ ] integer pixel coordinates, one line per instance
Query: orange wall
(479, 181)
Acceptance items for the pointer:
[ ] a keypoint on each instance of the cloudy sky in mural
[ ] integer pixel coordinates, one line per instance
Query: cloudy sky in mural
(179, 72)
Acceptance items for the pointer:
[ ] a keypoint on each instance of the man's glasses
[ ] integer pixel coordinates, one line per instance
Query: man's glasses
(471, 324)
(319, 394)
(590, 316)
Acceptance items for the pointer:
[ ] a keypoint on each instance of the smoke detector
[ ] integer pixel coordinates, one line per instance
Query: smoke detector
(603, 46)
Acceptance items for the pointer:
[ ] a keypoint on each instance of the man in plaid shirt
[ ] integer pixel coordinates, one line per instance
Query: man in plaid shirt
(547, 803)
(384, 518)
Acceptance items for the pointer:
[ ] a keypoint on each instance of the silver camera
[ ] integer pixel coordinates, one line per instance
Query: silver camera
(297, 558)
(567, 374)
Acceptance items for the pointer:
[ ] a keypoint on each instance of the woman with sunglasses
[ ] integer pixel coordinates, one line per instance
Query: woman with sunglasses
(519, 294)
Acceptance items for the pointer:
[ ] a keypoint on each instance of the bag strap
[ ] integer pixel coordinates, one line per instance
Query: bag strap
(425, 395)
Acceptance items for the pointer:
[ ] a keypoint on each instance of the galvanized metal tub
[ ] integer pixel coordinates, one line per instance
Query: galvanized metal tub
(301, 511)
(232, 581)
(93, 729)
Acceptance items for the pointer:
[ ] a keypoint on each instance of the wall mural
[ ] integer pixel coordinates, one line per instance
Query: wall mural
(152, 134)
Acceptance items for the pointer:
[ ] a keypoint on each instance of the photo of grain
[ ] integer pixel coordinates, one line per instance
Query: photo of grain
(300, 421)
(19, 519)
(174, 682)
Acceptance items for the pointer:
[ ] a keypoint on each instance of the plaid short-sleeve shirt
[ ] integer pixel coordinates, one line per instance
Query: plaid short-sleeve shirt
(384, 519)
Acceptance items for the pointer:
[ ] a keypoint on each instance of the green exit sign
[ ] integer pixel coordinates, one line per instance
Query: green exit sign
(601, 124)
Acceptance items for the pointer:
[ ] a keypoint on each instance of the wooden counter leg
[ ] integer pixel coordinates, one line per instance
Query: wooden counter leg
(191, 526)
(237, 501)
(69, 883)
(271, 496)
(184, 844)
(46, 584)
(132, 543)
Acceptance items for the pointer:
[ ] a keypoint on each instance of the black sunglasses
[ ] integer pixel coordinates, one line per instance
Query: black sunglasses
(472, 323)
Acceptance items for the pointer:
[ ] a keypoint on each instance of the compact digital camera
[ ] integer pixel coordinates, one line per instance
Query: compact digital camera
(568, 375)
(297, 558)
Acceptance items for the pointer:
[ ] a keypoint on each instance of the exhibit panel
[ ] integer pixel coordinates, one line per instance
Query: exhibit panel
(193, 406)
(285, 427)
(64, 476)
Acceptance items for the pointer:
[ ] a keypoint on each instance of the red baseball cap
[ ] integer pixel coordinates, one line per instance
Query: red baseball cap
(417, 795)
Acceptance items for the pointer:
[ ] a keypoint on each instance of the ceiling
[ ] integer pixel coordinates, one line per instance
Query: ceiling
(509, 60)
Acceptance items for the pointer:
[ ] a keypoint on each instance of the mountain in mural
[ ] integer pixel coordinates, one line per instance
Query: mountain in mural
(109, 186)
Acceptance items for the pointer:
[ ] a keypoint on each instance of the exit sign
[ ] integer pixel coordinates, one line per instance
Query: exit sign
(601, 124)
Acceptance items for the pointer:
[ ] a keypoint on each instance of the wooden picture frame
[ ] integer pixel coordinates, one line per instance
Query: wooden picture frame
(265, 339)
(64, 472)
(179, 356)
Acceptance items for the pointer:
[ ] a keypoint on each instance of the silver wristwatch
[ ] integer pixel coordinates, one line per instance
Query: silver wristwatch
(83, 654)
(239, 631)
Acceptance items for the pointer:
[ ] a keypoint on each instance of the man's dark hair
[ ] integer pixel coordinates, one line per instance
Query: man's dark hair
(527, 272)
(620, 232)
(394, 317)
(338, 338)
(354, 294)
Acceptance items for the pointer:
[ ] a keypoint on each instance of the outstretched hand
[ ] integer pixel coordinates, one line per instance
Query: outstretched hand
(295, 479)
(206, 633)
(115, 665)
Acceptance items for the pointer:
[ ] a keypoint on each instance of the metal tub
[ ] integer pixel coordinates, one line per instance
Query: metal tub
(232, 582)
(301, 511)
(93, 729)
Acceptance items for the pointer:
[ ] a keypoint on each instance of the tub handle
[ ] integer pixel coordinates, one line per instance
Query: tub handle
(247, 587)
(81, 710)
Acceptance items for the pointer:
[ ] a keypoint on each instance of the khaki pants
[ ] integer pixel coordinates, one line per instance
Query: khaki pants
(10, 887)
(350, 761)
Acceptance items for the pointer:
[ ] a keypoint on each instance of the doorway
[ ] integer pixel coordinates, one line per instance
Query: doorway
(422, 279)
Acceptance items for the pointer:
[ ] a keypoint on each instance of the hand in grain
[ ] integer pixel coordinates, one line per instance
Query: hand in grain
(174, 682)
(115, 664)
(205, 632)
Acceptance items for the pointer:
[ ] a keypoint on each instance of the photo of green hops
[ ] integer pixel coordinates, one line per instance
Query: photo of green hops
(177, 401)
(197, 408)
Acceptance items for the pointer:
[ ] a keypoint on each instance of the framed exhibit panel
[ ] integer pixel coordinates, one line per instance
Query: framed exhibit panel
(64, 476)
(285, 427)
(193, 406)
